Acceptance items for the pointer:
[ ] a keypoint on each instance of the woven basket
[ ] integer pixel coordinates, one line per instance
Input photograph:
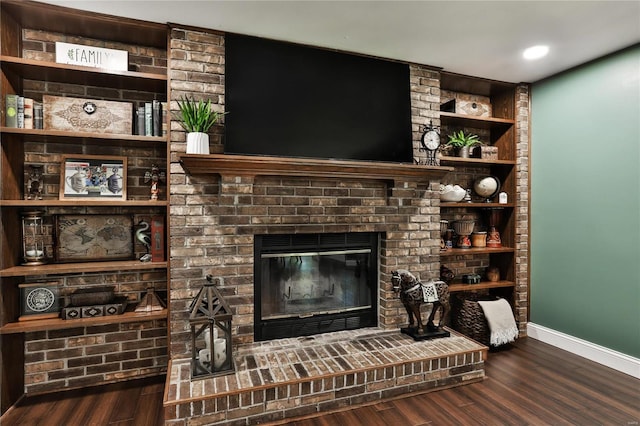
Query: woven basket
(468, 317)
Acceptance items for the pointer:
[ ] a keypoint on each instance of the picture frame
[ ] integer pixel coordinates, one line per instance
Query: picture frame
(93, 177)
(39, 300)
(93, 237)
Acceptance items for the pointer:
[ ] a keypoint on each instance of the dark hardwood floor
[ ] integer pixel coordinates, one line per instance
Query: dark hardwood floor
(528, 383)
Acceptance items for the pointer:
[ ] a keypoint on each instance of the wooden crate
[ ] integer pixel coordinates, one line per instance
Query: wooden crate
(489, 152)
(87, 115)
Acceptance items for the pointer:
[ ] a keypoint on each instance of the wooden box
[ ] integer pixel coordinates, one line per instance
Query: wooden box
(464, 107)
(116, 307)
(87, 115)
(489, 152)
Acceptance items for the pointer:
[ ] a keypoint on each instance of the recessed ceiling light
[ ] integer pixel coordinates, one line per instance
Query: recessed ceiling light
(535, 52)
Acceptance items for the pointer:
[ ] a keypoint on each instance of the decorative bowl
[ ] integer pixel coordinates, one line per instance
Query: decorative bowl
(452, 193)
(464, 227)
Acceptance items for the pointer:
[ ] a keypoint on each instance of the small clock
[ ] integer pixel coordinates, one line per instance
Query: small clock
(430, 143)
(39, 300)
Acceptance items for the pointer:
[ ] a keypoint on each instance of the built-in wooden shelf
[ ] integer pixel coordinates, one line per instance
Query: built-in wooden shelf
(82, 203)
(246, 165)
(483, 285)
(32, 69)
(47, 134)
(77, 268)
(476, 250)
(459, 161)
(474, 121)
(462, 204)
(59, 324)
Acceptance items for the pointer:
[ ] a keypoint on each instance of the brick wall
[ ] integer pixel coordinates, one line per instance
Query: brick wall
(81, 356)
(86, 356)
(213, 219)
(522, 206)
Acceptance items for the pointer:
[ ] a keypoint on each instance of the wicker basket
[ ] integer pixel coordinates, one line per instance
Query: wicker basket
(468, 317)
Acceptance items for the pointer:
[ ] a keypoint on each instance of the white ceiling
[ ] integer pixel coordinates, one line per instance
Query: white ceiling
(478, 38)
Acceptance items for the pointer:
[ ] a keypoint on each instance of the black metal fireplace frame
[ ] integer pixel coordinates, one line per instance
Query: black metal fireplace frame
(304, 326)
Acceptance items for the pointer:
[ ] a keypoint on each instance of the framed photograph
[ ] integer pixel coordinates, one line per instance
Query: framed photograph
(93, 177)
(39, 301)
(93, 237)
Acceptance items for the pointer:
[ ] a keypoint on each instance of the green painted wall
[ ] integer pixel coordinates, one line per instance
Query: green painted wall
(585, 202)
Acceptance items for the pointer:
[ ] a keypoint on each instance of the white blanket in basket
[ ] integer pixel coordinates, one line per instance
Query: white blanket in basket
(502, 324)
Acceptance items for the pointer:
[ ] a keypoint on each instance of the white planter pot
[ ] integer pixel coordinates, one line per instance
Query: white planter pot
(197, 143)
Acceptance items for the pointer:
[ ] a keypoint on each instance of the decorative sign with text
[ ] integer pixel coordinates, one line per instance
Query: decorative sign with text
(90, 56)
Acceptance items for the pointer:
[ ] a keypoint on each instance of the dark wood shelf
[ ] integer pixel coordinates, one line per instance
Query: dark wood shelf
(59, 324)
(473, 250)
(145, 79)
(87, 76)
(470, 162)
(78, 268)
(82, 203)
(474, 121)
(46, 134)
(47, 17)
(458, 287)
(462, 204)
(281, 166)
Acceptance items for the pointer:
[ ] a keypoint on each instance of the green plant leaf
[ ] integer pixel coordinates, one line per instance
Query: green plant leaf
(461, 139)
(197, 116)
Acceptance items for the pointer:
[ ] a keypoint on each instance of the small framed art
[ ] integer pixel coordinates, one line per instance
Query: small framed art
(93, 177)
(93, 237)
(39, 301)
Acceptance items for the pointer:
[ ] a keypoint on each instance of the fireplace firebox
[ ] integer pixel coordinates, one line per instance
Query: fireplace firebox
(314, 283)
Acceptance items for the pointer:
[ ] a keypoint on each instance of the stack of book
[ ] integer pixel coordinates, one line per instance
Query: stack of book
(23, 113)
(151, 119)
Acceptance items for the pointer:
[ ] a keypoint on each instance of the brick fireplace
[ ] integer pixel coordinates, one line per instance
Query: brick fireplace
(288, 377)
(403, 212)
(218, 207)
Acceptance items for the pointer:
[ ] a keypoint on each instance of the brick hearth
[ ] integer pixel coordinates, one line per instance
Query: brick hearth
(301, 376)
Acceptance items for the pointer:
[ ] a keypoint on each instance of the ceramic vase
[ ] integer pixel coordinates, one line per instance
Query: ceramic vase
(197, 143)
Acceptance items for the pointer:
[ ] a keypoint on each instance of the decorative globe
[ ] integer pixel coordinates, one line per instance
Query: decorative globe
(487, 187)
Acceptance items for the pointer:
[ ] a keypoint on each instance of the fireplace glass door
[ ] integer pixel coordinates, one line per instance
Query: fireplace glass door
(304, 291)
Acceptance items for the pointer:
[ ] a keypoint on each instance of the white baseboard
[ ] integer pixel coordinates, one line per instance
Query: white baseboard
(605, 356)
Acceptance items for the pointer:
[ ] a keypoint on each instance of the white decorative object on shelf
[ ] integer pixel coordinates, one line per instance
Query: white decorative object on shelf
(197, 143)
(452, 193)
(91, 56)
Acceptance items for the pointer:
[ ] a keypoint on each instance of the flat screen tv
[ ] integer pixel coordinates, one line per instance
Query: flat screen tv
(291, 100)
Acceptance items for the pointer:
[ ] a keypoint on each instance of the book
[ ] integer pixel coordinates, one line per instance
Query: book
(165, 124)
(20, 112)
(11, 111)
(148, 119)
(157, 118)
(157, 239)
(37, 115)
(140, 120)
(28, 113)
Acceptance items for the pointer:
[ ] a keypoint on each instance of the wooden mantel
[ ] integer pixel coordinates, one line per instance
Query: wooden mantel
(249, 165)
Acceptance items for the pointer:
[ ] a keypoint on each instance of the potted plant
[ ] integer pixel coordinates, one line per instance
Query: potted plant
(197, 117)
(463, 142)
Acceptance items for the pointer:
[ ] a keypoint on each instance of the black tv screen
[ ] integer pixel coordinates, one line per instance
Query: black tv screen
(291, 100)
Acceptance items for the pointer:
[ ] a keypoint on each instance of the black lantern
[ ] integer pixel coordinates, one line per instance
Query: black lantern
(211, 344)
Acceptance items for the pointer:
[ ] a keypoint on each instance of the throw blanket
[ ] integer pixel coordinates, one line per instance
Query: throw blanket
(501, 322)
